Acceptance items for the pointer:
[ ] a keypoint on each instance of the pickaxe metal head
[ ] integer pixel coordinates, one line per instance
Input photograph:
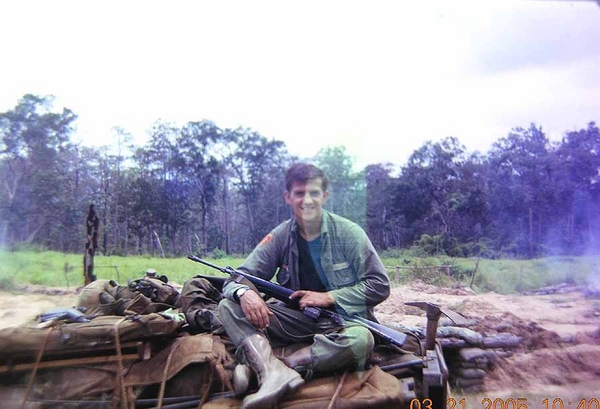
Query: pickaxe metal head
(433, 311)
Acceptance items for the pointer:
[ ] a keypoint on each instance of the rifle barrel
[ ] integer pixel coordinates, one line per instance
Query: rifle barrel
(207, 263)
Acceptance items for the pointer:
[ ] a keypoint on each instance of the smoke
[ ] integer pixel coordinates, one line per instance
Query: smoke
(593, 280)
(593, 253)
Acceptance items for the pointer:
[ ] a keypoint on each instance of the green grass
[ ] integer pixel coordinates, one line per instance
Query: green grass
(502, 276)
(51, 268)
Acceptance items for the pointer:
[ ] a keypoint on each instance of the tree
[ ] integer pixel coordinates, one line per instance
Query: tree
(35, 141)
(426, 186)
(579, 189)
(347, 188)
(258, 166)
(381, 226)
(196, 162)
(521, 186)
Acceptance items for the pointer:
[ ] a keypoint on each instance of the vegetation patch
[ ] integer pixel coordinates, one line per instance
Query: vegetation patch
(51, 268)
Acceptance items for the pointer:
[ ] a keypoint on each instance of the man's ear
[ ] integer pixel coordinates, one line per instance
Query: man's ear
(286, 195)
(325, 196)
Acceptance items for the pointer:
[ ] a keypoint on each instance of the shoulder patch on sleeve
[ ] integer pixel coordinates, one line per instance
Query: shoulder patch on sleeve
(266, 240)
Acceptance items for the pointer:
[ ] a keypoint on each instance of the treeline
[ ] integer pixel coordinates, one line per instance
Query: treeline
(202, 189)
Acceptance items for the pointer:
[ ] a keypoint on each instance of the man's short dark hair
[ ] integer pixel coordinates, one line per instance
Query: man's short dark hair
(302, 173)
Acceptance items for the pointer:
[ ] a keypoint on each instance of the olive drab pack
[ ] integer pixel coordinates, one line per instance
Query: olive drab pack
(145, 295)
(156, 288)
(106, 297)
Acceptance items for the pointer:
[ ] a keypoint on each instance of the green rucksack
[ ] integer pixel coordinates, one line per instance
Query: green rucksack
(156, 288)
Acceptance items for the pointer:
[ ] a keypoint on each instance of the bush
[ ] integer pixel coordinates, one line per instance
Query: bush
(430, 245)
(399, 254)
(457, 271)
(484, 283)
(28, 247)
(217, 254)
(7, 283)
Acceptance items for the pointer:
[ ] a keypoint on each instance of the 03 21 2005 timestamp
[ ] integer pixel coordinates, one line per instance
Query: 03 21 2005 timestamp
(510, 403)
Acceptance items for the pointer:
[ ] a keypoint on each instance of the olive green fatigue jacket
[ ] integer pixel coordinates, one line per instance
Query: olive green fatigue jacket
(357, 278)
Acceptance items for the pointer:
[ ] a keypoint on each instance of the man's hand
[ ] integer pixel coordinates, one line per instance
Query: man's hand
(255, 309)
(313, 299)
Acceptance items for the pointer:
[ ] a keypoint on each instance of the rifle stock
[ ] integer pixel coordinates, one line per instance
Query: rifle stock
(387, 334)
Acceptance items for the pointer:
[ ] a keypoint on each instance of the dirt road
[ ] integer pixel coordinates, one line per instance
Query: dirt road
(561, 363)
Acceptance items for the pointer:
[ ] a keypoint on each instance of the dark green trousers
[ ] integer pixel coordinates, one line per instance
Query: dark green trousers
(334, 347)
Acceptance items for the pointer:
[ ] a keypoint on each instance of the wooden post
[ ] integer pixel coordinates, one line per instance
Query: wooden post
(67, 269)
(474, 272)
(92, 223)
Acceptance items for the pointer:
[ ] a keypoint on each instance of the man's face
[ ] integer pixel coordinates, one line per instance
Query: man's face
(306, 200)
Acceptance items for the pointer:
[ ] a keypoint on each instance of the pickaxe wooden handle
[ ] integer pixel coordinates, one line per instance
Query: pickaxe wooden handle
(433, 312)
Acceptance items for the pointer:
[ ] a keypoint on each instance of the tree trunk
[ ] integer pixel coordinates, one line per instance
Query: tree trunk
(198, 243)
(92, 224)
(530, 232)
(126, 241)
(250, 219)
(226, 206)
(104, 234)
(160, 247)
(116, 238)
(204, 240)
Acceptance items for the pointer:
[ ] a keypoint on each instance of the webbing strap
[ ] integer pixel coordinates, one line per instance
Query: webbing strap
(338, 389)
(220, 370)
(120, 366)
(163, 382)
(35, 368)
(206, 389)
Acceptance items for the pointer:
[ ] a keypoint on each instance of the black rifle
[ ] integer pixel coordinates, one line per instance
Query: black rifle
(387, 334)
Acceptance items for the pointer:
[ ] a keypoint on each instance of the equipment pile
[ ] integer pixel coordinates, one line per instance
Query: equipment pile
(149, 345)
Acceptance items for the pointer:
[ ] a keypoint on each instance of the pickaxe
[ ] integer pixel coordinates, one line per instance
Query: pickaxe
(433, 312)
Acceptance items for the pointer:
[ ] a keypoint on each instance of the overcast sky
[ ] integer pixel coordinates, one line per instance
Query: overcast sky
(379, 77)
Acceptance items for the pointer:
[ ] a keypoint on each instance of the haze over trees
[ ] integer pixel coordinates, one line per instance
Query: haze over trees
(202, 189)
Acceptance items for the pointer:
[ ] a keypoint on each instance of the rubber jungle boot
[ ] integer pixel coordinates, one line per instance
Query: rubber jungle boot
(275, 379)
(241, 379)
(300, 360)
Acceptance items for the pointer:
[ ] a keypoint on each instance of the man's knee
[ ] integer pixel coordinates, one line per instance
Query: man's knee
(350, 349)
(361, 343)
(360, 337)
(228, 309)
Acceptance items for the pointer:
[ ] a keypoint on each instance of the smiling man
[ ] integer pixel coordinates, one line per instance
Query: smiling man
(329, 262)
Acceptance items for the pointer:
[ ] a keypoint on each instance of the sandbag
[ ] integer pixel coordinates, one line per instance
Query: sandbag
(373, 388)
(369, 389)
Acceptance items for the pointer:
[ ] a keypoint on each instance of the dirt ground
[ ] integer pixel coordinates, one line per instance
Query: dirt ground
(560, 354)
(559, 358)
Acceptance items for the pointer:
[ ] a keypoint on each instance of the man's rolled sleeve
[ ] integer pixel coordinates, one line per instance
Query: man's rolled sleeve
(373, 284)
(230, 288)
(262, 263)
